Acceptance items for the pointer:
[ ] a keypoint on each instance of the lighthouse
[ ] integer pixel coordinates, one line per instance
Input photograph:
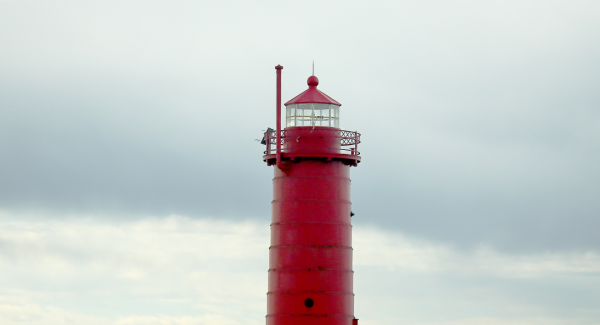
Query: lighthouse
(310, 256)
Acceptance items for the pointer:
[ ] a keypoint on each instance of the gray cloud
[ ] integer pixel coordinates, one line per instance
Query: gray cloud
(480, 121)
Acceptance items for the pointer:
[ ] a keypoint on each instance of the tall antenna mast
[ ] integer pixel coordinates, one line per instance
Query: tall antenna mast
(313, 67)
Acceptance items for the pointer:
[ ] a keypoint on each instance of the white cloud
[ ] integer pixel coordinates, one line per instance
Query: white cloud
(19, 310)
(496, 321)
(14, 310)
(178, 270)
(168, 320)
(203, 265)
(394, 250)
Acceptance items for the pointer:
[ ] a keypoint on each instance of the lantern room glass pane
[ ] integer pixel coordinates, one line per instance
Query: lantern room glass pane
(289, 115)
(335, 116)
(313, 114)
(335, 111)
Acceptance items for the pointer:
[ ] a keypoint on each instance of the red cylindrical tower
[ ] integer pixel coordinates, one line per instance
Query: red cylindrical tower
(310, 258)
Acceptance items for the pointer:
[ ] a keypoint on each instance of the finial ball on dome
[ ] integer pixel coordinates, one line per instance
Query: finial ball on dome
(312, 81)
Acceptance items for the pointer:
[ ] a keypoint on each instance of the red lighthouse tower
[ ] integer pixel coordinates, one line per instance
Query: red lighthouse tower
(310, 258)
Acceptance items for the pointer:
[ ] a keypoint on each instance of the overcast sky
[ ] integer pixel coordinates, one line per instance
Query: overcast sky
(479, 186)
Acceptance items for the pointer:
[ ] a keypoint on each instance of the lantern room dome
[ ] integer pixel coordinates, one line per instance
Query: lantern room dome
(313, 95)
(312, 81)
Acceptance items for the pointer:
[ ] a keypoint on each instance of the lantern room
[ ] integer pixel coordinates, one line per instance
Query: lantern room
(312, 108)
(312, 130)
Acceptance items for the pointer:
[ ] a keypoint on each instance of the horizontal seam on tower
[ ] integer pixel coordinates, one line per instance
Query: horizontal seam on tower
(309, 269)
(319, 246)
(311, 315)
(341, 293)
(322, 200)
(310, 223)
(326, 177)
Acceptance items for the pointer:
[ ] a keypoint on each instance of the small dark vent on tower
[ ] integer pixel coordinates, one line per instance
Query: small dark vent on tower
(309, 303)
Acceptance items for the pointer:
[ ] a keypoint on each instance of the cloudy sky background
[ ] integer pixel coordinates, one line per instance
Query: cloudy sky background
(132, 190)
